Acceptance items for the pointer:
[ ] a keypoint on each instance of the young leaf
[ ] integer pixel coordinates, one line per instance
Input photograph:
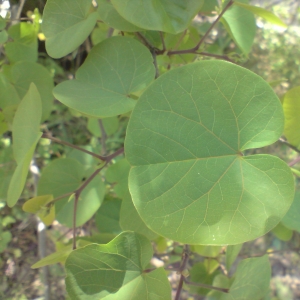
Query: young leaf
(96, 271)
(63, 176)
(291, 108)
(66, 25)
(189, 180)
(37, 205)
(263, 13)
(167, 16)
(113, 70)
(25, 131)
(241, 26)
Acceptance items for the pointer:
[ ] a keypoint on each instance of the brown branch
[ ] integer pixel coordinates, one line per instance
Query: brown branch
(293, 162)
(206, 286)
(77, 195)
(289, 145)
(198, 45)
(182, 268)
(103, 158)
(144, 40)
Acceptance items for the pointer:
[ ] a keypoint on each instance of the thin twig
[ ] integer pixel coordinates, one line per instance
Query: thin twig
(77, 195)
(183, 265)
(162, 41)
(103, 158)
(21, 5)
(289, 145)
(206, 286)
(295, 161)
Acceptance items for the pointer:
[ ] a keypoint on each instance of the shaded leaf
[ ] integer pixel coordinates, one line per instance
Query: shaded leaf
(184, 142)
(282, 232)
(232, 252)
(292, 217)
(162, 15)
(110, 125)
(66, 25)
(113, 70)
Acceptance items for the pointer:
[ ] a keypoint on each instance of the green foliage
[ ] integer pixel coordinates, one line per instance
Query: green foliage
(194, 169)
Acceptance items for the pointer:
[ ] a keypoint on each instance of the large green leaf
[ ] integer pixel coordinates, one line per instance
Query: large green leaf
(24, 73)
(291, 108)
(240, 24)
(63, 176)
(66, 25)
(161, 15)
(95, 271)
(263, 13)
(189, 180)
(25, 131)
(129, 217)
(110, 16)
(113, 70)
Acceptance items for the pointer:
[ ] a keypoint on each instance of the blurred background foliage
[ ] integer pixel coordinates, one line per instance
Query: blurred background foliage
(275, 56)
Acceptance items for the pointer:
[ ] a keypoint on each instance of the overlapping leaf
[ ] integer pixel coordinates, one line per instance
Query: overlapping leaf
(163, 15)
(64, 176)
(292, 217)
(113, 70)
(119, 267)
(66, 24)
(26, 133)
(240, 24)
(189, 180)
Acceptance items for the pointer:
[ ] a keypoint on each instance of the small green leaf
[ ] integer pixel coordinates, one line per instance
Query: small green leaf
(95, 271)
(291, 108)
(66, 25)
(54, 258)
(241, 26)
(161, 15)
(37, 205)
(282, 232)
(25, 131)
(184, 142)
(207, 251)
(111, 17)
(8, 93)
(232, 252)
(113, 70)
(24, 73)
(263, 13)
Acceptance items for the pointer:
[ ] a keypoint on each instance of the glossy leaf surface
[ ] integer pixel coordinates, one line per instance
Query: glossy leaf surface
(161, 15)
(66, 25)
(189, 180)
(113, 70)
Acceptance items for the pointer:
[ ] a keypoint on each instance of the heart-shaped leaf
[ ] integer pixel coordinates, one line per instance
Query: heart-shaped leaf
(160, 15)
(66, 25)
(189, 180)
(115, 265)
(113, 70)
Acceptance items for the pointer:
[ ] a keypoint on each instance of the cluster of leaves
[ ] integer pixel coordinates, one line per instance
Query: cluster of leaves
(183, 182)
